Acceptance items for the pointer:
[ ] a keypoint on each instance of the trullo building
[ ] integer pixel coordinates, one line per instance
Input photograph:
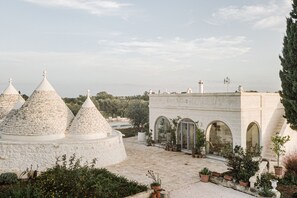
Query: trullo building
(43, 128)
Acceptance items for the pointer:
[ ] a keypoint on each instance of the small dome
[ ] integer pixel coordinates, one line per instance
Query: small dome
(8, 99)
(43, 116)
(89, 123)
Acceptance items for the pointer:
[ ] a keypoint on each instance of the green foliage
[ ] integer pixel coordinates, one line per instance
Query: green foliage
(264, 182)
(200, 139)
(266, 192)
(149, 139)
(241, 163)
(8, 178)
(288, 74)
(205, 171)
(172, 129)
(278, 145)
(109, 105)
(71, 179)
(129, 132)
(68, 178)
(138, 112)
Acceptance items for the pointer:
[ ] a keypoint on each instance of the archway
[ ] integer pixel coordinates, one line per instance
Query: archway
(219, 138)
(186, 135)
(253, 137)
(162, 125)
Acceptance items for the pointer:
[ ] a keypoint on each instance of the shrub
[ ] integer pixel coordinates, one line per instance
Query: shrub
(8, 178)
(290, 177)
(71, 179)
(266, 192)
(241, 163)
(264, 182)
(205, 171)
(290, 163)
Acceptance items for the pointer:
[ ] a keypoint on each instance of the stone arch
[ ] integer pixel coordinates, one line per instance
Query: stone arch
(253, 137)
(186, 135)
(219, 138)
(162, 125)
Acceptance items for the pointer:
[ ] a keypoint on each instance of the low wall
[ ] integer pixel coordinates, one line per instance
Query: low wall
(16, 156)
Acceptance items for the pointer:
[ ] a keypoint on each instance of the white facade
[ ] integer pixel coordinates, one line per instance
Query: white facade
(236, 110)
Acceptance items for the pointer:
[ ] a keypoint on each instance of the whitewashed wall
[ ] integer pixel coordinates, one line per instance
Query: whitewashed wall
(237, 110)
(17, 156)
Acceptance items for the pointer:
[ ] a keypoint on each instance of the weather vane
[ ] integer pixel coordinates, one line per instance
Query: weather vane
(227, 82)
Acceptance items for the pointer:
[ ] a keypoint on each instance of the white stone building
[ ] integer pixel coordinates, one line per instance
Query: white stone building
(43, 128)
(241, 118)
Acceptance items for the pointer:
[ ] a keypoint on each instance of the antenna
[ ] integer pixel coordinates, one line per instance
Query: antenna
(227, 82)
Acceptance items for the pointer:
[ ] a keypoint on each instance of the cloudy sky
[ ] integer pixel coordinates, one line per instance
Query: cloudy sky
(126, 47)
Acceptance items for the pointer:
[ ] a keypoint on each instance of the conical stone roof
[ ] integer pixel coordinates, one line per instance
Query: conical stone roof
(89, 123)
(43, 116)
(8, 99)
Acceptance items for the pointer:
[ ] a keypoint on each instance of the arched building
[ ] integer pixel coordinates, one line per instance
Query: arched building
(43, 128)
(228, 119)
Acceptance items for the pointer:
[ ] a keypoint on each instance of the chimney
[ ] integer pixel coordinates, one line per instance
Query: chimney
(200, 86)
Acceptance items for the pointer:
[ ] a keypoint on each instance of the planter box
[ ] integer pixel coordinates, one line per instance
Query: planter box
(141, 137)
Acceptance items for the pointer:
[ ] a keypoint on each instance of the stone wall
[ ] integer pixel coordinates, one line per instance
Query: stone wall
(7, 102)
(16, 156)
(89, 121)
(44, 113)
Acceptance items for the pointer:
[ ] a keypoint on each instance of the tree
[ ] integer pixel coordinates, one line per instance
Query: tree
(278, 145)
(288, 74)
(138, 112)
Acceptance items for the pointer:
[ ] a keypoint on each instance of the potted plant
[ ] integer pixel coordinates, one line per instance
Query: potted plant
(228, 177)
(279, 150)
(149, 140)
(215, 174)
(244, 177)
(200, 141)
(265, 192)
(204, 174)
(156, 184)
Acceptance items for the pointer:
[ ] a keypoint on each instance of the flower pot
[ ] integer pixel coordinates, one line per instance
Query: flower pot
(243, 183)
(228, 177)
(156, 187)
(157, 191)
(204, 178)
(278, 170)
(141, 137)
(215, 174)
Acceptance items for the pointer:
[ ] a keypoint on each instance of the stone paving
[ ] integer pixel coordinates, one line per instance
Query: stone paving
(179, 172)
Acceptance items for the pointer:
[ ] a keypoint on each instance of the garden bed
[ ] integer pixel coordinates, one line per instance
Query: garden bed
(230, 184)
(287, 191)
(70, 179)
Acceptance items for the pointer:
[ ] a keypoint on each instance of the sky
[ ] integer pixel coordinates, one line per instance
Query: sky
(126, 47)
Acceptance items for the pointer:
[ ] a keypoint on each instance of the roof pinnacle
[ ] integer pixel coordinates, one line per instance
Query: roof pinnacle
(44, 73)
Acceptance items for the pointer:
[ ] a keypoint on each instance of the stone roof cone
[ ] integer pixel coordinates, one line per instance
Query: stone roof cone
(44, 116)
(8, 99)
(89, 123)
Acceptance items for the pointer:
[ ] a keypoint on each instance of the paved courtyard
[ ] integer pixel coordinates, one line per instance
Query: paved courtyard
(178, 171)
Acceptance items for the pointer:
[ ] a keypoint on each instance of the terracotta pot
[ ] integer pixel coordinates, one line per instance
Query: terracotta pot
(157, 191)
(243, 183)
(278, 170)
(215, 174)
(228, 177)
(204, 178)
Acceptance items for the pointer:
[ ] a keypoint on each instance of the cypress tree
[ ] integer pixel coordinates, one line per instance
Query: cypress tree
(288, 74)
